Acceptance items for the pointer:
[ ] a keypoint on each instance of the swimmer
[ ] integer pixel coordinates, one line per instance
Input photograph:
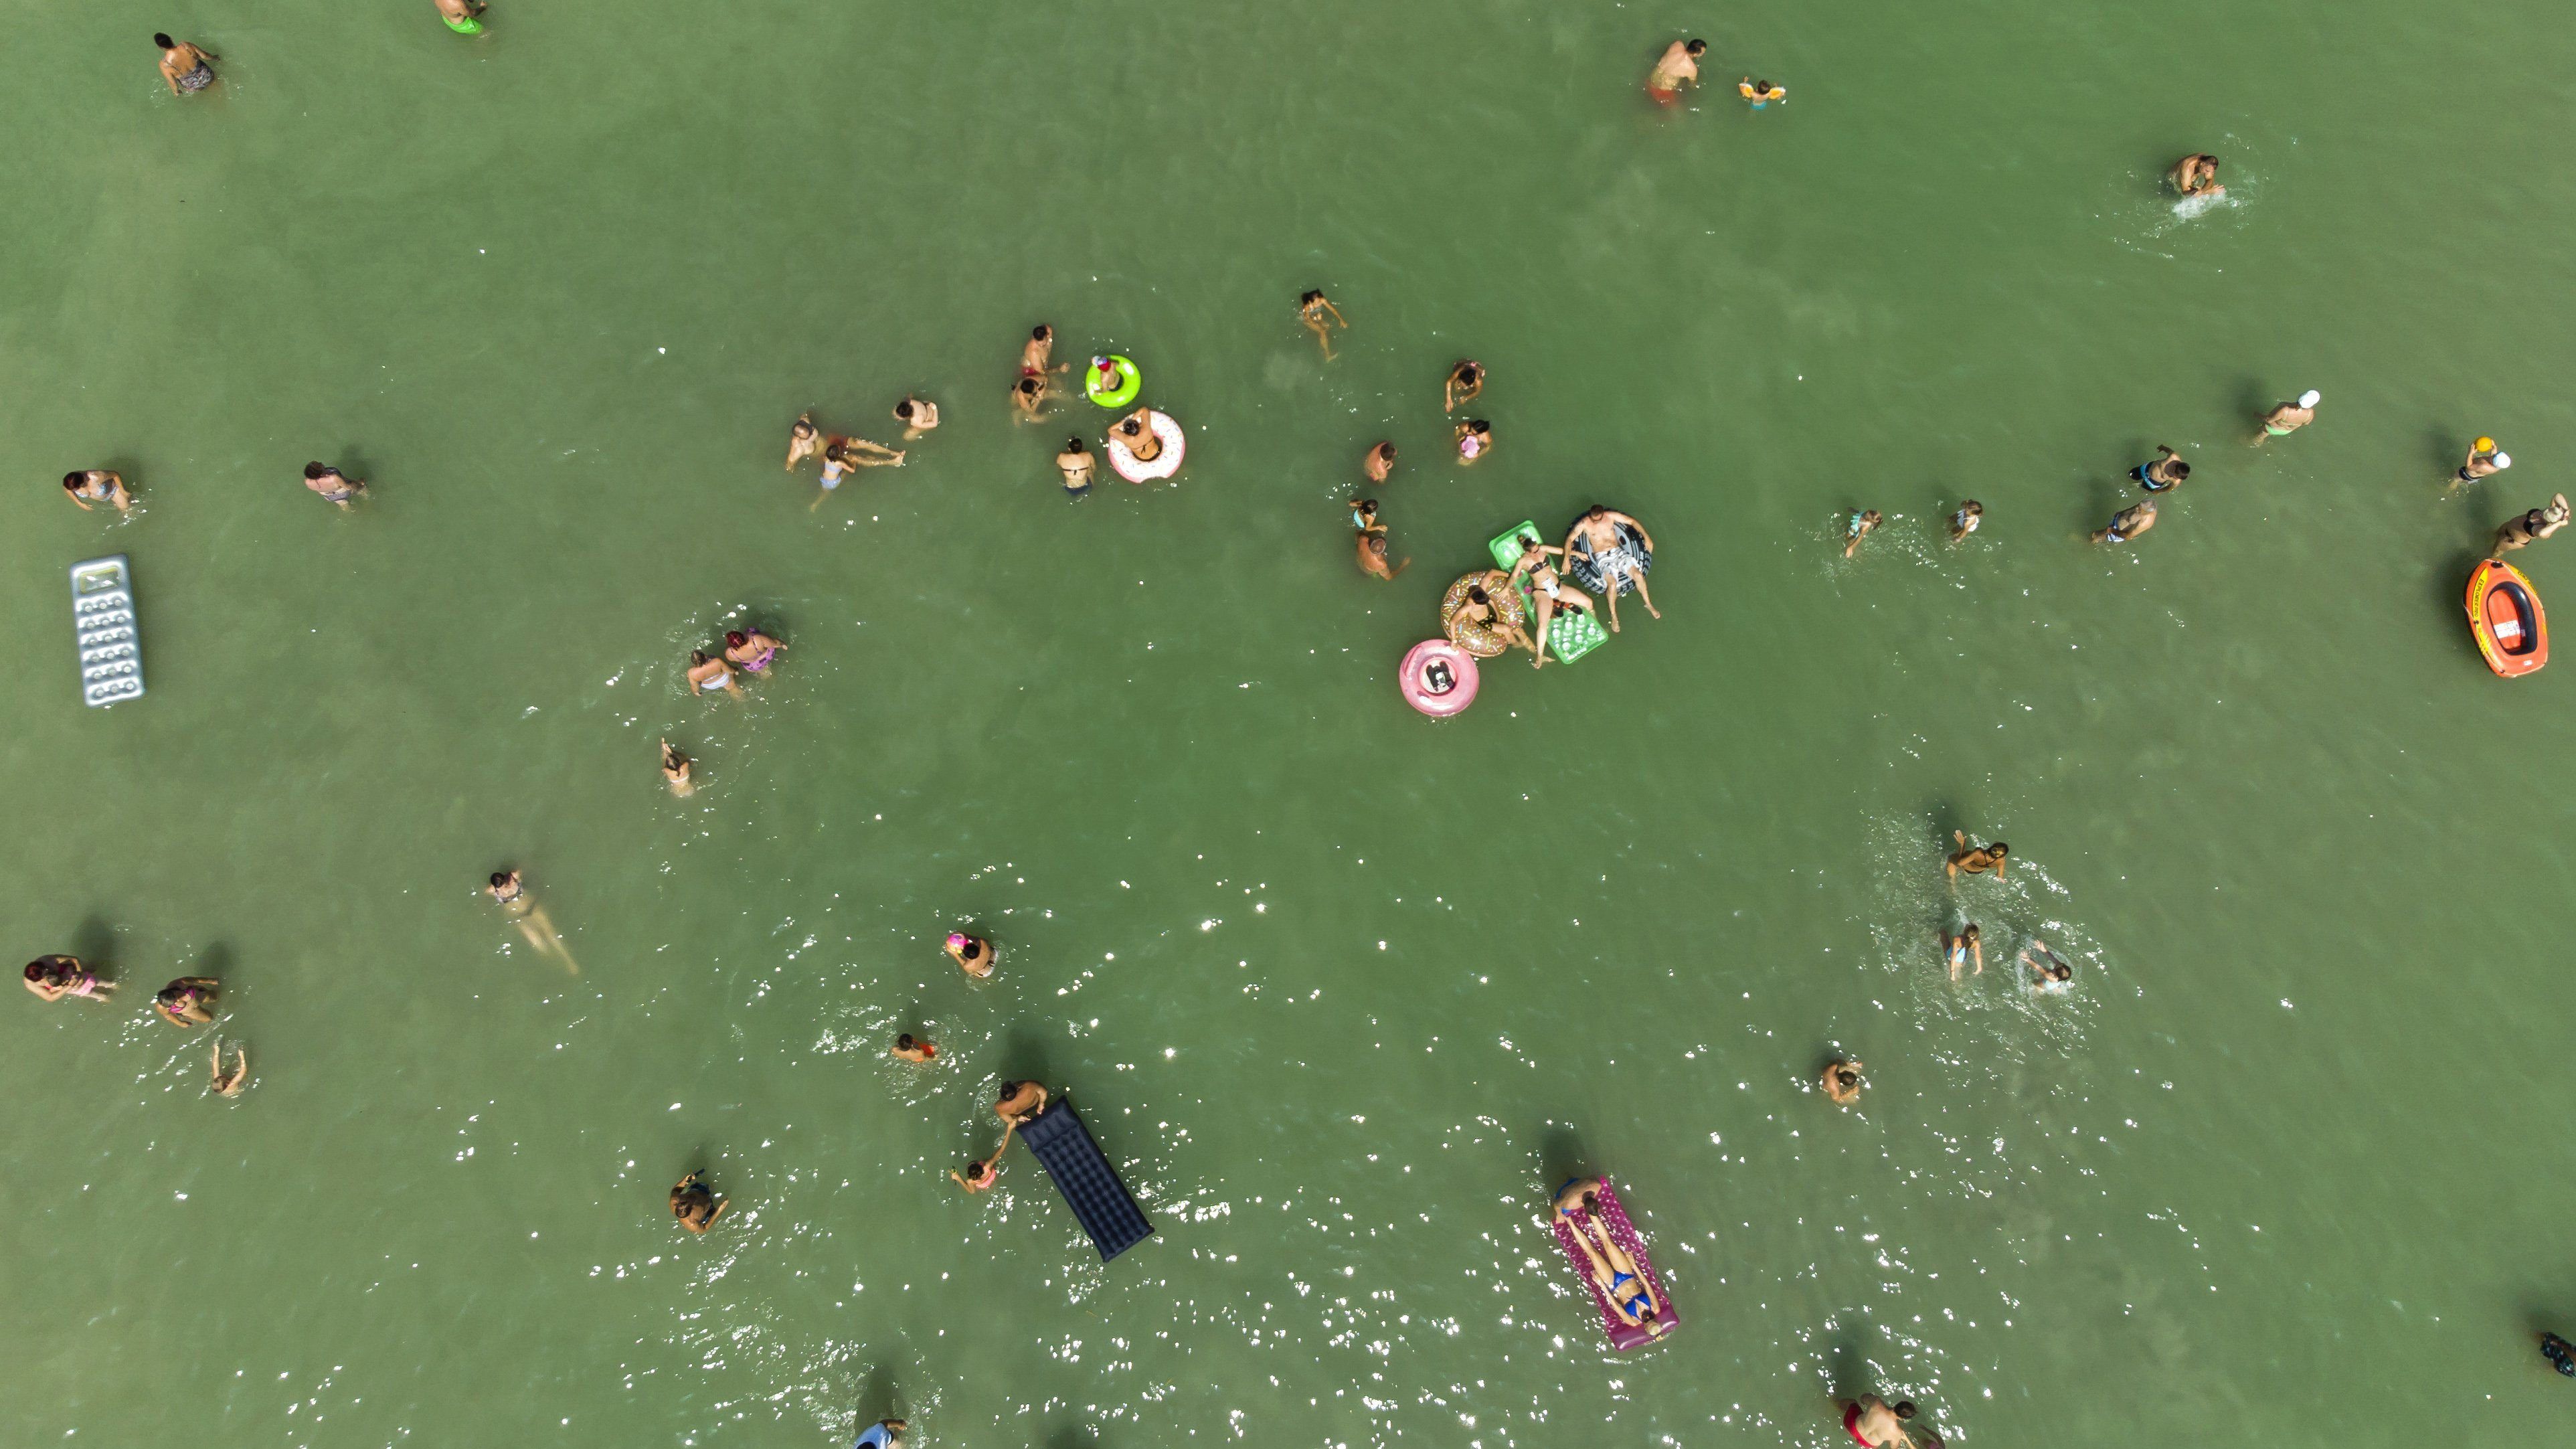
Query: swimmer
(1613, 1271)
(1859, 527)
(1598, 531)
(1075, 464)
(54, 977)
(2128, 523)
(1018, 1102)
(1136, 430)
(1761, 92)
(2561, 1355)
(2055, 972)
(918, 416)
(334, 485)
(456, 11)
(1321, 317)
(1679, 67)
(1475, 440)
(1037, 354)
(1379, 462)
(2483, 460)
(188, 1001)
(1964, 522)
(534, 924)
(1463, 383)
(973, 954)
(2196, 176)
(1841, 1081)
(1364, 516)
(843, 455)
(679, 771)
(2538, 524)
(1873, 1423)
(695, 1204)
(909, 1048)
(2167, 471)
(1029, 398)
(184, 66)
(709, 675)
(1977, 859)
(97, 485)
(230, 1084)
(751, 649)
(1372, 556)
(883, 1434)
(803, 441)
(980, 1176)
(1957, 949)
(1548, 592)
(2288, 418)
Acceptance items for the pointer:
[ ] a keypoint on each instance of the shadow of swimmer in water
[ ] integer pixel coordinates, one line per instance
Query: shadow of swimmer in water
(530, 918)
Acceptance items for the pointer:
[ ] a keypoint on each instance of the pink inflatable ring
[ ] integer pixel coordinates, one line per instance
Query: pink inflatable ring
(1438, 677)
(1165, 464)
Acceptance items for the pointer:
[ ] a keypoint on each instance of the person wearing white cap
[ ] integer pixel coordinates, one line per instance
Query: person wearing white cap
(2288, 418)
(2539, 523)
(2483, 459)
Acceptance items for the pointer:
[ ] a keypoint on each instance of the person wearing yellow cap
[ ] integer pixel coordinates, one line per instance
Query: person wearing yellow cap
(2483, 459)
(2288, 418)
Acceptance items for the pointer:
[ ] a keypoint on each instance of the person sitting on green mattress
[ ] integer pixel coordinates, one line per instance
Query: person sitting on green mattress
(1548, 593)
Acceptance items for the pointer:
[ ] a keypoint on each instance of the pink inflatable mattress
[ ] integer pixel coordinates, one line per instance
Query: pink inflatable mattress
(1623, 1334)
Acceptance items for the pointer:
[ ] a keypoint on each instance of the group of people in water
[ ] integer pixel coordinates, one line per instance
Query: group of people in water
(188, 1002)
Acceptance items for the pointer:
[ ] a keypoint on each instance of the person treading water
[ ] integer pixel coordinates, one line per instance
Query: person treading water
(1075, 464)
(52, 978)
(1841, 1081)
(1475, 439)
(910, 1048)
(1676, 68)
(184, 66)
(918, 416)
(678, 771)
(1965, 521)
(1463, 383)
(2196, 176)
(334, 485)
(1871, 1422)
(973, 954)
(1959, 948)
(751, 649)
(2288, 418)
(695, 1204)
(1379, 462)
(707, 676)
(1612, 1270)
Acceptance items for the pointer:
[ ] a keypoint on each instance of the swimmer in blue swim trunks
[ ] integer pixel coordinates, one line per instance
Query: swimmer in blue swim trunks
(2167, 471)
(2128, 523)
(883, 1434)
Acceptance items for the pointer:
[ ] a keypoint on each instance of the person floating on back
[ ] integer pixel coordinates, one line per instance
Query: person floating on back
(2167, 471)
(2196, 176)
(2483, 460)
(184, 66)
(2532, 527)
(1679, 67)
(1977, 859)
(2288, 418)
(2128, 523)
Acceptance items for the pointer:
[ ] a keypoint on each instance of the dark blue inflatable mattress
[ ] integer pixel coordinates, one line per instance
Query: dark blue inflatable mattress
(1063, 1146)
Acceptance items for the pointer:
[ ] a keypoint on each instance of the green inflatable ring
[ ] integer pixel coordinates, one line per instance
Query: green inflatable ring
(1129, 383)
(467, 26)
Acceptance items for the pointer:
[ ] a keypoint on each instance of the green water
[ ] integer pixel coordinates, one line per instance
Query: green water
(1343, 991)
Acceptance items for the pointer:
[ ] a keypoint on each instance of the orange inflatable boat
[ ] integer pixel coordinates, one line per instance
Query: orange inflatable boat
(2505, 615)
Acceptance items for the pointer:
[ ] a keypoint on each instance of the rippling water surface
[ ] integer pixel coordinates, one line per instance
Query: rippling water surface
(1344, 992)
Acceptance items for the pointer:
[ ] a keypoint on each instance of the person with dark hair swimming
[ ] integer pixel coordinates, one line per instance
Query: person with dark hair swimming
(1463, 383)
(1678, 67)
(1977, 859)
(1379, 462)
(2128, 523)
(97, 485)
(2167, 471)
(1841, 1081)
(1965, 521)
(1321, 317)
(2054, 973)
(707, 675)
(678, 771)
(918, 416)
(751, 649)
(1872, 1423)
(980, 1176)
(52, 978)
(188, 1001)
(910, 1048)
(973, 954)
(695, 1204)
(1860, 525)
(1037, 355)
(184, 66)
(1957, 949)
(1029, 398)
(334, 485)
(2196, 175)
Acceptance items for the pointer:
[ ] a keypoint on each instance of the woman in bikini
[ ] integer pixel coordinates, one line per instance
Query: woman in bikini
(1959, 948)
(188, 1001)
(706, 676)
(54, 977)
(1977, 859)
(1475, 440)
(1548, 593)
(230, 1083)
(679, 771)
(183, 66)
(1613, 1271)
(751, 649)
(1075, 464)
(97, 485)
(842, 456)
(1136, 432)
(334, 485)
(980, 1176)
(1321, 317)
(695, 1204)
